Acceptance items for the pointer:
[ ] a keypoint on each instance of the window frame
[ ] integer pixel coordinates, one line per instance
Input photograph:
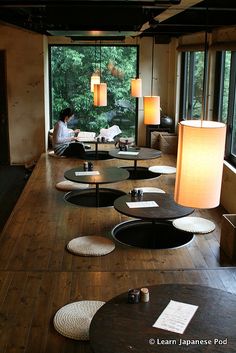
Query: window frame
(218, 99)
(90, 45)
(187, 83)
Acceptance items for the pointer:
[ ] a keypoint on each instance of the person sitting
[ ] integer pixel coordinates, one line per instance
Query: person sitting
(64, 141)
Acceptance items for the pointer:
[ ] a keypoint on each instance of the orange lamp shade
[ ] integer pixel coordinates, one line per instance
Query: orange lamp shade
(200, 159)
(100, 95)
(136, 87)
(151, 106)
(95, 78)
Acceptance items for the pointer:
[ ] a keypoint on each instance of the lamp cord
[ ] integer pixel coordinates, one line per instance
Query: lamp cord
(205, 70)
(95, 56)
(100, 61)
(152, 65)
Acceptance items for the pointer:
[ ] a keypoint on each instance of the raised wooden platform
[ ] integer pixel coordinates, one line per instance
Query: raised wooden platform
(38, 275)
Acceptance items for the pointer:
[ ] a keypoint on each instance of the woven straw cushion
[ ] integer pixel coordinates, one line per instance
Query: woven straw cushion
(53, 154)
(152, 189)
(195, 225)
(73, 320)
(163, 169)
(91, 246)
(68, 185)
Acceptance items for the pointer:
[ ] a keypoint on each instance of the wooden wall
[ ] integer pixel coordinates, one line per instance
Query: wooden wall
(25, 88)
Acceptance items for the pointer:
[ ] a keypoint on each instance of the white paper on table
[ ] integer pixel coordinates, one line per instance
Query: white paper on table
(86, 136)
(142, 204)
(93, 172)
(176, 316)
(128, 153)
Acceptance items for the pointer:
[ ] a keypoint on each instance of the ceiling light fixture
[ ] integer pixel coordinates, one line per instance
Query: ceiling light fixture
(100, 89)
(136, 86)
(200, 156)
(95, 78)
(151, 103)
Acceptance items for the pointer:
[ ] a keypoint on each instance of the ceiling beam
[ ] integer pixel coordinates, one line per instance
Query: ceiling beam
(170, 12)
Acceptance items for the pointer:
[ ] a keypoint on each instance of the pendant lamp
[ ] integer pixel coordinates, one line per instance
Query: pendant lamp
(100, 89)
(95, 78)
(100, 94)
(151, 104)
(200, 158)
(136, 84)
(136, 87)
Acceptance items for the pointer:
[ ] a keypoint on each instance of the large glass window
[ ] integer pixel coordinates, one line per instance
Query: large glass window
(191, 85)
(225, 98)
(71, 67)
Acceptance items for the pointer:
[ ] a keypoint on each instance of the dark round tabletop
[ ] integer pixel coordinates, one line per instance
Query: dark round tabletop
(167, 208)
(106, 175)
(143, 153)
(120, 327)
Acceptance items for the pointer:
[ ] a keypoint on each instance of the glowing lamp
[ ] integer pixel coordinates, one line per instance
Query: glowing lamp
(100, 95)
(200, 158)
(151, 106)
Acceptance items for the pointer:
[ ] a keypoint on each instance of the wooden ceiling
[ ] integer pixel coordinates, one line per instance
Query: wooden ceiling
(117, 19)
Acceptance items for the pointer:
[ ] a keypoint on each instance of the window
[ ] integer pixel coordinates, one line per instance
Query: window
(71, 67)
(192, 67)
(225, 99)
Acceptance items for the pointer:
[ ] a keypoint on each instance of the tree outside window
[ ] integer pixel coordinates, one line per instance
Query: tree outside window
(71, 67)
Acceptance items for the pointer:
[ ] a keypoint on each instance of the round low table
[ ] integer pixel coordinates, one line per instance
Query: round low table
(137, 154)
(95, 197)
(128, 327)
(152, 229)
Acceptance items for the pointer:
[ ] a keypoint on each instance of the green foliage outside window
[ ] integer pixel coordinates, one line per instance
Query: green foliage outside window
(198, 85)
(71, 68)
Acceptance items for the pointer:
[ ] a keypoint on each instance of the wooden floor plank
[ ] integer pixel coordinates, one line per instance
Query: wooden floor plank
(38, 275)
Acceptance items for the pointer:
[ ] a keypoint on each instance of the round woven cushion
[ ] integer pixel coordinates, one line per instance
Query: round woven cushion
(152, 189)
(68, 185)
(73, 320)
(195, 225)
(53, 154)
(91, 246)
(162, 169)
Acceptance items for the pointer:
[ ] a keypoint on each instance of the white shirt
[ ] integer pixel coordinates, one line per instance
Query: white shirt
(61, 137)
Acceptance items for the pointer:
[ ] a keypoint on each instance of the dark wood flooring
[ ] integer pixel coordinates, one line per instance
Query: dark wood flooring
(12, 182)
(38, 275)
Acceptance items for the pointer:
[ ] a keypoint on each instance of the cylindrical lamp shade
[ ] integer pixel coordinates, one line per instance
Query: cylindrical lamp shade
(100, 95)
(200, 159)
(151, 106)
(136, 87)
(95, 79)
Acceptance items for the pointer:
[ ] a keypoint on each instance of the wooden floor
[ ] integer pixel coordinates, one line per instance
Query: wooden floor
(38, 275)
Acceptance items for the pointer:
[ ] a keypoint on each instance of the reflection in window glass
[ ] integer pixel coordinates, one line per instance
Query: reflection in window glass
(226, 99)
(225, 84)
(71, 67)
(193, 84)
(198, 85)
(233, 141)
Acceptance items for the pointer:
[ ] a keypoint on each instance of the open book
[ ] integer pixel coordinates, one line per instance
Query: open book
(86, 136)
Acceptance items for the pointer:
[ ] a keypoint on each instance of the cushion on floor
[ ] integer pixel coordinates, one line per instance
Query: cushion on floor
(91, 245)
(151, 189)
(68, 185)
(196, 225)
(73, 320)
(162, 169)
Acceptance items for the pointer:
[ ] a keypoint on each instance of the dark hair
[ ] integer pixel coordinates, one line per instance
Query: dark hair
(65, 112)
